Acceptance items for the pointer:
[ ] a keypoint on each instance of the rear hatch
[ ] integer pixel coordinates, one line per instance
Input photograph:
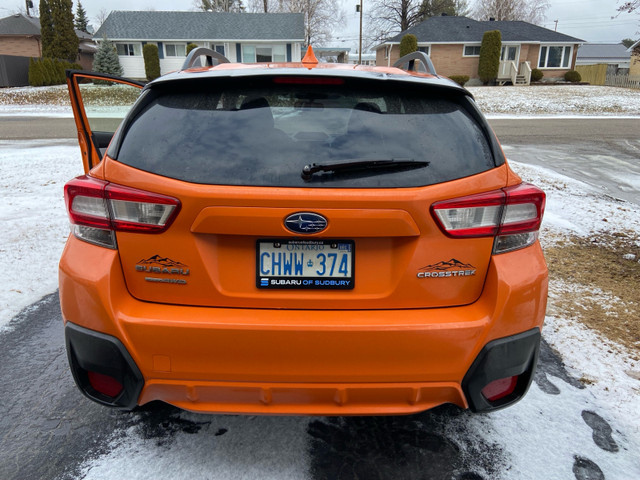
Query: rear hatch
(268, 214)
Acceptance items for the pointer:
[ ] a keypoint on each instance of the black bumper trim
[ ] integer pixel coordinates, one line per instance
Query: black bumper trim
(501, 358)
(89, 350)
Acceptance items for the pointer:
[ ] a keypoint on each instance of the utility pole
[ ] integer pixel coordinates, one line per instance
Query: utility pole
(556, 25)
(360, 46)
(28, 4)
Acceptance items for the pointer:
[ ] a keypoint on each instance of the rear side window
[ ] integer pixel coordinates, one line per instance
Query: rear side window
(243, 133)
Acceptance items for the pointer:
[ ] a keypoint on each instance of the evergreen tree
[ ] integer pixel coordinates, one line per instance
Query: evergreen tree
(106, 59)
(81, 21)
(64, 30)
(59, 39)
(46, 29)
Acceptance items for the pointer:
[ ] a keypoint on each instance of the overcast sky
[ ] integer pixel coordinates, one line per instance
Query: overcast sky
(590, 20)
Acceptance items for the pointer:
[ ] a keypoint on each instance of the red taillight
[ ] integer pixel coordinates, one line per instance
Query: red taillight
(512, 215)
(105, 384)
(500, 388)
(98, 208)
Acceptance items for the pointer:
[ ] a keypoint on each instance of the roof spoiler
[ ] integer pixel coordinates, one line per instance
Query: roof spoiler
(211, 55)
(408, 63)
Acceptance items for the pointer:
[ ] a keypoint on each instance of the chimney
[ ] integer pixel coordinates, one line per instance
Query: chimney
(492, 19)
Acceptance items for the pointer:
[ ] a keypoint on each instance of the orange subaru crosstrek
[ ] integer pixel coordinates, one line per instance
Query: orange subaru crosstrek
(299, 238)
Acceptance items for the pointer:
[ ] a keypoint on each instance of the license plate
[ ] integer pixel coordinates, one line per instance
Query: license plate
(305, 264)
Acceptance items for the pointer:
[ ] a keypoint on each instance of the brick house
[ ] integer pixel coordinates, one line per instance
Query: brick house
(453, 44)
(20, 40)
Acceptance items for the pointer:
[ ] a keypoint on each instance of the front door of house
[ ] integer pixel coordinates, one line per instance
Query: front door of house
(509, 53)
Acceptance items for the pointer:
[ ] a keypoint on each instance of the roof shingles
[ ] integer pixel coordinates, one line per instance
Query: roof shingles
(121, 25)
(447, 29)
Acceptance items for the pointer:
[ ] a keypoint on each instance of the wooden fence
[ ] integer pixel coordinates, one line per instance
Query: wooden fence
(593, 74)
(626, 81)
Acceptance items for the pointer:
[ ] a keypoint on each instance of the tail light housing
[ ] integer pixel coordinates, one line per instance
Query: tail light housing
(97, 209)
(512, 215)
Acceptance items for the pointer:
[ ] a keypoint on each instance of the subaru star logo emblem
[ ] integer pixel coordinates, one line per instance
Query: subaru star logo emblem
(305, 222)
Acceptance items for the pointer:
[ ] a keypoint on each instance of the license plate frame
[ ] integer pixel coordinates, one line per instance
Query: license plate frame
(308, 250)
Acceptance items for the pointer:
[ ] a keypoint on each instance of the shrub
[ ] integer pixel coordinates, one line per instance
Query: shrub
(408, 44)
(151, 61)
(190, 47)
(536, 75)
(460, 79)
(59, 66)
(489, 61)
(48, 71)
(573, 76)
(35, 73)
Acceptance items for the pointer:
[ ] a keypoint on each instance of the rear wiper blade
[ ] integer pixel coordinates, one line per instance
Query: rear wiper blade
(362, 165)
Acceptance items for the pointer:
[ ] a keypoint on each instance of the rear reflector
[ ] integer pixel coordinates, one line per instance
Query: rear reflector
(98, 208)
(500, 388)
(512, 215)
(105, 384)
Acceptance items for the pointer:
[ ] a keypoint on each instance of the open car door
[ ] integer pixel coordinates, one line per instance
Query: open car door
(99, 102)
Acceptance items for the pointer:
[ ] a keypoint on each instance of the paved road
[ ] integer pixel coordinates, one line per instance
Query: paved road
(544, 131)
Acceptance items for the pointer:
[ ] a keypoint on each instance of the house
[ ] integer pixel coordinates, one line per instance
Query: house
(453, 44)
(20, 40)
(241, 37)
(613, 54)
(634, 61)
(20, 36)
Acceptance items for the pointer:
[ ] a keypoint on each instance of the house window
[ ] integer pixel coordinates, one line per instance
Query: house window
(471, 51)
(555, 56)
(424, 49)
(219, 49)
(129, 49)
(175, 50)
(264, 53)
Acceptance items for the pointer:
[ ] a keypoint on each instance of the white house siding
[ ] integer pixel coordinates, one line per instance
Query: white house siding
(170, 64)
(133, 67)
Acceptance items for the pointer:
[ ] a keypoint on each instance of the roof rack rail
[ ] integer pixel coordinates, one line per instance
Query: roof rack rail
(408, 63)
(211, 55)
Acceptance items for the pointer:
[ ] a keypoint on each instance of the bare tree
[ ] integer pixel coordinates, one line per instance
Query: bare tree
(629, 6)
(266, 6)
(101, 16)
(219, 5)
(320, 17)
(532, 11)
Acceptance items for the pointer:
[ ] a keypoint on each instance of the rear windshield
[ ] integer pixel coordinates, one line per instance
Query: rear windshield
(264, 134)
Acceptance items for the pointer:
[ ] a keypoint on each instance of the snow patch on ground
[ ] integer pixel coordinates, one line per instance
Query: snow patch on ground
(574, 207)
(33, 217)
(228, 447)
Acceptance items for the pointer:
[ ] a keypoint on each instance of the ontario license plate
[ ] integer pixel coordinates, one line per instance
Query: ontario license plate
(305, 264)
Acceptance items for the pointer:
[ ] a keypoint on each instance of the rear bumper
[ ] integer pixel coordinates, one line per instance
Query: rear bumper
(305, 361)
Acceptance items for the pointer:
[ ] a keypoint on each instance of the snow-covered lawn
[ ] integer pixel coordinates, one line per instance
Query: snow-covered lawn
(539, 100)
(554, 100)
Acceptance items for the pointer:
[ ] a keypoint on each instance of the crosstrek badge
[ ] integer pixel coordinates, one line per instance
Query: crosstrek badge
(450, 268)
